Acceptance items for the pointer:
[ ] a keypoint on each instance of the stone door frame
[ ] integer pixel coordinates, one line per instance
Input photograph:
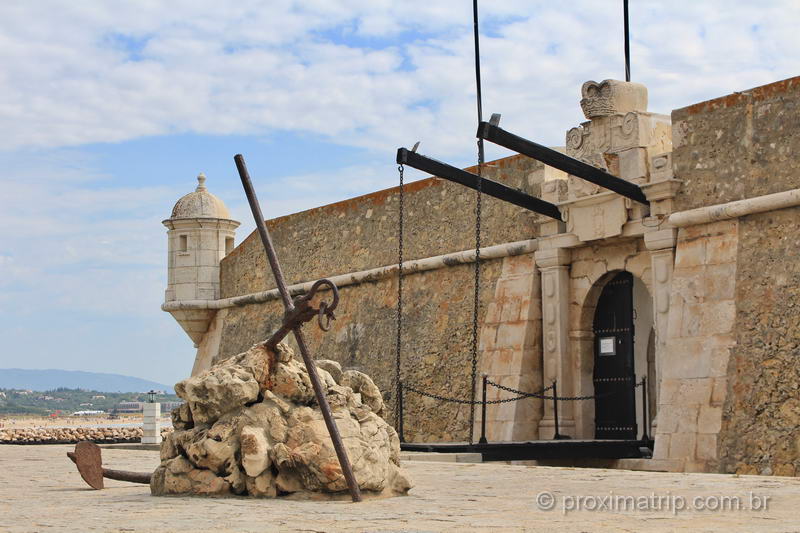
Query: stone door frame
(586, 287)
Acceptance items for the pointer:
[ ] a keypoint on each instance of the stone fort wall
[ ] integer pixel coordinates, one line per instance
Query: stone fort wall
(361, 234)
(728, 399)
(735, 314)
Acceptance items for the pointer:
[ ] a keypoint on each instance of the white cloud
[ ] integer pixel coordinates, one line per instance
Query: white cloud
(77, 73)
(72, 240)
(250, 67)
(374, 74)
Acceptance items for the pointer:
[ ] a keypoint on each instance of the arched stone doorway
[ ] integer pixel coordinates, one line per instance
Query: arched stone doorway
(614, 375)
(615, 352)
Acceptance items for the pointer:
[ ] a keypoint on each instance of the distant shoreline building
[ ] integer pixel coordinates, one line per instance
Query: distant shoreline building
(138, 407)
(129, 407)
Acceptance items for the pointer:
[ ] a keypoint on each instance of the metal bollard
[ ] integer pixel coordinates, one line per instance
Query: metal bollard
(645, 422)
(556, 434)
(483, 440)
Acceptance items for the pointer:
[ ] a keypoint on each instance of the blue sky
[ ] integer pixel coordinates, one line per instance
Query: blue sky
(110, 109)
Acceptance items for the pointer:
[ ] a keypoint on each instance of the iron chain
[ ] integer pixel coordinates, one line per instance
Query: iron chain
(397, 382)
(474, 402)
(521, 395)
(592, 397)
(477, 300)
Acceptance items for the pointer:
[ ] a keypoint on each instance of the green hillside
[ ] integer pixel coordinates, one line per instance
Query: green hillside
(17, 401)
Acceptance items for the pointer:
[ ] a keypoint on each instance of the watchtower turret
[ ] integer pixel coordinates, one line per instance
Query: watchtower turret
(200, 234)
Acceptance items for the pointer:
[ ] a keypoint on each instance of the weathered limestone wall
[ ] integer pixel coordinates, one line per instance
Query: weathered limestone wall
(361, 234)
(761, 420)
(738, 146)
(436, 340)
(700, 337)
(511, 351)
(736, 292)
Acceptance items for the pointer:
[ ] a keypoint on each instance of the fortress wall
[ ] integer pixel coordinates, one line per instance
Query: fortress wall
(729, 397)
(761, 424)
(742, 146)
(739, 146)
(360, 234)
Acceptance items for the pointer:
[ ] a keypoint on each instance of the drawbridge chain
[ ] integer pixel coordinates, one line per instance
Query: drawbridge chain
(397, 385)
(477, 301)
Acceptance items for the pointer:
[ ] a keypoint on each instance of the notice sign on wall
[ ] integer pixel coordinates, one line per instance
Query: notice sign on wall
(608, 346)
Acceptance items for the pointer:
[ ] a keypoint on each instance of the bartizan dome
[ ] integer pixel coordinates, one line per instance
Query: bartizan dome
(200, 204)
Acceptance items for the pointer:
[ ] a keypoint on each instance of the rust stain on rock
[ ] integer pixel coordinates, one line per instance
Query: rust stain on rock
(331, 470)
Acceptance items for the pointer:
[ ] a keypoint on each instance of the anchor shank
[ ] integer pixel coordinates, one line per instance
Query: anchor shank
(124, 475)
(89, 462)
(322, 401)
(263, 232)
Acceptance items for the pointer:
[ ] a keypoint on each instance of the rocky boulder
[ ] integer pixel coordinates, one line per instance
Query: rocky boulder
(251, 426)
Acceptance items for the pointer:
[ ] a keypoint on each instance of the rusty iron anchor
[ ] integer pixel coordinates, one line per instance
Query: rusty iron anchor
(87, 457)
(294, 324)
(303, 312)
(297, 312)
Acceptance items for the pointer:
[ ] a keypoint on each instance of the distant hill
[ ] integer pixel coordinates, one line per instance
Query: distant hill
(44, 380)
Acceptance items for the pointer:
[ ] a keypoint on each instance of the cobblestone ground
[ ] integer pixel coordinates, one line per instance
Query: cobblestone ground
(40, 490)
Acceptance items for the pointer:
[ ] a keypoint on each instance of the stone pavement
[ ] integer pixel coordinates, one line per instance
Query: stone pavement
(40, 490)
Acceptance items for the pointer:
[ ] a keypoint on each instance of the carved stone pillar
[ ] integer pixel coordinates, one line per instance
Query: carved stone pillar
(554, 267)
(582, 349)
(511, 351)
(662, 259)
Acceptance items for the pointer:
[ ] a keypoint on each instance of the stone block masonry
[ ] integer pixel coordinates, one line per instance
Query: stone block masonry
(361, 234)
(511, 348)
(715, 287)
(735, 316)
(700, 337)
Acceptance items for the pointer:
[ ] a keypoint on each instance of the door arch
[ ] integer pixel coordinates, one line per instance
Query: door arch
(614, 373)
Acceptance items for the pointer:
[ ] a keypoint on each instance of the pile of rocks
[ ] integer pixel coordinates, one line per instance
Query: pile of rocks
(251, 426)
(72, 435)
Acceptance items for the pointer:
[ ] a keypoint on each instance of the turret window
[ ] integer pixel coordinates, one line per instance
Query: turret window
(184, 243)
(228, 245)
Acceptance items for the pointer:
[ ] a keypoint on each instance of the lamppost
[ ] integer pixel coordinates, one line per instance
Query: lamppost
(151, 411)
